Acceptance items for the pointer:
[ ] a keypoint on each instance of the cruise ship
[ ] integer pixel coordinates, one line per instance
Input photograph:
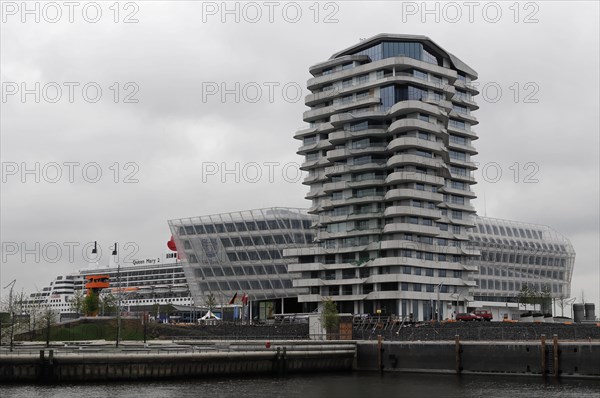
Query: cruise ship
(143, 284)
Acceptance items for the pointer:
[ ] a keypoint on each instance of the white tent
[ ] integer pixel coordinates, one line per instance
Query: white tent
(210, 315)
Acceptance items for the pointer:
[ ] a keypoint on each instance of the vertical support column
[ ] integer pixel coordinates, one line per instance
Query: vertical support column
(379, 353)
(457, 354)
(250, 313)
(543, 354)
(284, 361)
(555, 352)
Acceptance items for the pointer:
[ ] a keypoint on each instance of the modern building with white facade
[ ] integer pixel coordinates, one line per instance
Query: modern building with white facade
(388, 153)
(516, 254)
(241, 252)
(512, 254)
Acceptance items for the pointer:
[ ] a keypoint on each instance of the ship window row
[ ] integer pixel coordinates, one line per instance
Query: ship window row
(262, 225)
(154, 299)
(245, 285)
(522, 259)
(169, 271)
(129, 283)
(124, 277)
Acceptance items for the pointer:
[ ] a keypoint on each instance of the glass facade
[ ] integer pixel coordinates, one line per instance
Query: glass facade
(514, 254)
(388, 49)
(239, 252)
(390, 95)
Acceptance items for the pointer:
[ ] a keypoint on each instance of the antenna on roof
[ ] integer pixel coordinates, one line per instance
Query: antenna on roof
(484, 205)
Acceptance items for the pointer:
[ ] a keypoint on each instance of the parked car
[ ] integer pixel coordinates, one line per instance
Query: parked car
(484, 314)
(464, 316)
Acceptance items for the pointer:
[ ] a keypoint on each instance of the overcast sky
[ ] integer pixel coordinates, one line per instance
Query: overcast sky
(161, 133)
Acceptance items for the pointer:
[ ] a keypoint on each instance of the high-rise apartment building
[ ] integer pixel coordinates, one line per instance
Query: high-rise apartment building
(388, 154)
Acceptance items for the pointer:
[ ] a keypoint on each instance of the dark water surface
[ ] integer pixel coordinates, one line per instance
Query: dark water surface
(365, 385)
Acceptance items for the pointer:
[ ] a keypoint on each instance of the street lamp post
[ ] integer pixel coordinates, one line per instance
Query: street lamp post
(457, 296)
(438, 309)
(145, 326)
(114, 253)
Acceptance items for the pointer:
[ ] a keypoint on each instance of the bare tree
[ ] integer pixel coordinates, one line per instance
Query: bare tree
(564, 302)
(108, 304)
(77, 302)
(48, 318)
(14, 318)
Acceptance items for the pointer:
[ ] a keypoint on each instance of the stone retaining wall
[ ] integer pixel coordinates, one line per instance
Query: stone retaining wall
(475, 331)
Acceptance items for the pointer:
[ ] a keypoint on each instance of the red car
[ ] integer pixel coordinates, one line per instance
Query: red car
(484, 314)
(463, 316)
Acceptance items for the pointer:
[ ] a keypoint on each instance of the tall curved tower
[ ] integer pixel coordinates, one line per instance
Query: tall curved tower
(388, 154)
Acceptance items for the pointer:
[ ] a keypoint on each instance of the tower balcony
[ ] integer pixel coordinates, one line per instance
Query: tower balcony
(396, 211)
(408, 193)
(398, 177)
(412, 159)
(414, 142)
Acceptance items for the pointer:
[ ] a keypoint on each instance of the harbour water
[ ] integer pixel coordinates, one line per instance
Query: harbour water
(357, 384)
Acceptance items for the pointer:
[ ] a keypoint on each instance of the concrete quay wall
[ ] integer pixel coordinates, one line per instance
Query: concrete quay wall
(519, 358)
(69, 367)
